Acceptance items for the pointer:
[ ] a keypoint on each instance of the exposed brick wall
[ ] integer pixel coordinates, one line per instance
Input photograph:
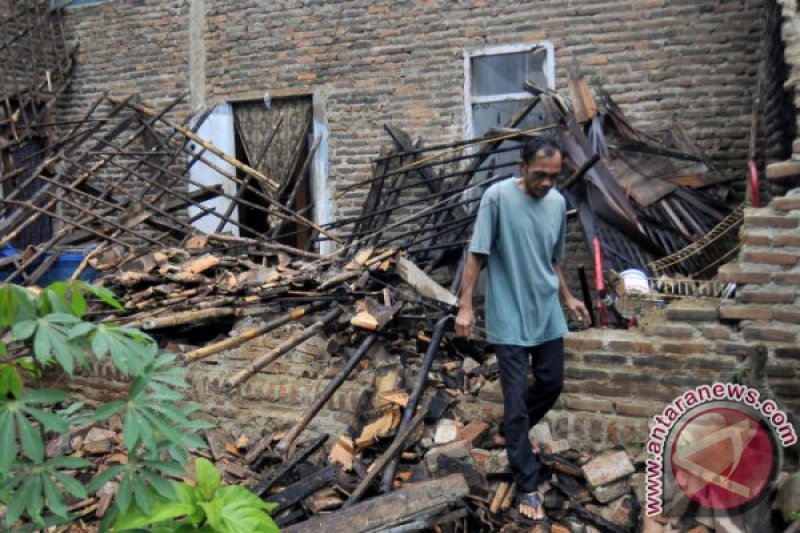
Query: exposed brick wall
(128, 47)
(401, 62)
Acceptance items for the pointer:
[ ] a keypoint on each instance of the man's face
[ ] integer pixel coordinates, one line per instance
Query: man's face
(541, 174)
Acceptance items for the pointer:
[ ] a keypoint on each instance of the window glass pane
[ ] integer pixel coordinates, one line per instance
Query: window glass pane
(497, 115)
(506, 73)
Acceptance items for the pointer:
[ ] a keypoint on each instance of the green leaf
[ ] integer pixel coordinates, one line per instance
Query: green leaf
(77, 303)
(242, 511)
(54, 302)
(167, 431)
(8, 306)
(208, 479)
(23, 329)
(131, 429)
(123, 499)
(107, 410)
(36, 499)
(72, 485)
(103, 293)
(213, 511)
(104, 477)
(8, 446)
(42, 343)
(16, 304)
(44, 396)
(3, 348)
(80, 330)
(32, 444)
(68, 462)
(100, 342)
(64, 357)
(50, 421)
(10, 381)
(161, 485)
(54, 498)
(163, 511)
(141, 495)
(169, 468)
(20, 500)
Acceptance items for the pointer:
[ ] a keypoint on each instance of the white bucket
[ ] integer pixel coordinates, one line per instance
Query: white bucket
(635, 281)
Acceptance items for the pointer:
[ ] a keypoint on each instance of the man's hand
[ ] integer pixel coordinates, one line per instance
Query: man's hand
(578, 310)
(465, 320)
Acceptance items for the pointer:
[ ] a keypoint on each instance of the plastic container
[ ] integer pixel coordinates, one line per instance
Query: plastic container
(635, 281)
(63, 268)
(8, 251)
(60, 270)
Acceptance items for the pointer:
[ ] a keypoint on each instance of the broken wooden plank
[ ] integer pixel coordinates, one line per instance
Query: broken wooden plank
(289, 465)
(422, 283)
(306, 486)
(413, 500)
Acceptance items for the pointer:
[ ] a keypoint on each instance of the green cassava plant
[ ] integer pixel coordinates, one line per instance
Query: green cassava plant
(45, 334)
(208, 506)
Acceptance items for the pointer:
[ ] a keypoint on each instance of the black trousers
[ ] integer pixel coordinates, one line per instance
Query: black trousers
(526, 406)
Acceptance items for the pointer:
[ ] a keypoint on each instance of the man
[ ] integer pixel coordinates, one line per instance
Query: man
(520, 229)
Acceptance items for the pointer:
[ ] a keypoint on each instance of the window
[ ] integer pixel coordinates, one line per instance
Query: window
(494, 92)
(494, 81)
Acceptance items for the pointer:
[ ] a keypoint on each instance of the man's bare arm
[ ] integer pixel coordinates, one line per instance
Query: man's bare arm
(575, 306)
(465, 320)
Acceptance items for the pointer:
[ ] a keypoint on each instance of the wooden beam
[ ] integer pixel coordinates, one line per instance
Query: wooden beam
(413, 501)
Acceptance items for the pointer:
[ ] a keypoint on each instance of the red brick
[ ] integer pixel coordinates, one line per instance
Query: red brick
(735, 348)
(473, 431)
(638, 408)
(786, 203)
(681, 331)
(686, 347)
(692, 314)
(716, 332)
(576, 342)
(745, 312)
(786, 314)
(608, 467)
(767, 221)
(755, 239)
(765, 332)
(763, 296)
(595, 60)
(771, 258)
(628, 346)
(745, 277)
(787, 278)
(792, 240)
(589, 404)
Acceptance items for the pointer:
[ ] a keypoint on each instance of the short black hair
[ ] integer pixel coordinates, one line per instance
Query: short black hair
(546, 145)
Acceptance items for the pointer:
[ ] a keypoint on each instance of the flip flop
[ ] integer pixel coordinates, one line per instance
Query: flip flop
(535, 500)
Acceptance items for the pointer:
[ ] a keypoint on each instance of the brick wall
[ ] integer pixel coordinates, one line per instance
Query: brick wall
(128, 47)
(401, 62)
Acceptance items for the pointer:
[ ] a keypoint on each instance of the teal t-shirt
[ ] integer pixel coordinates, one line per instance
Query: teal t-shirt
(521, 235)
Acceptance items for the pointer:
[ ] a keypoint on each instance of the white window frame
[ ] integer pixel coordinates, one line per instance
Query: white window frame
(470, 100)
